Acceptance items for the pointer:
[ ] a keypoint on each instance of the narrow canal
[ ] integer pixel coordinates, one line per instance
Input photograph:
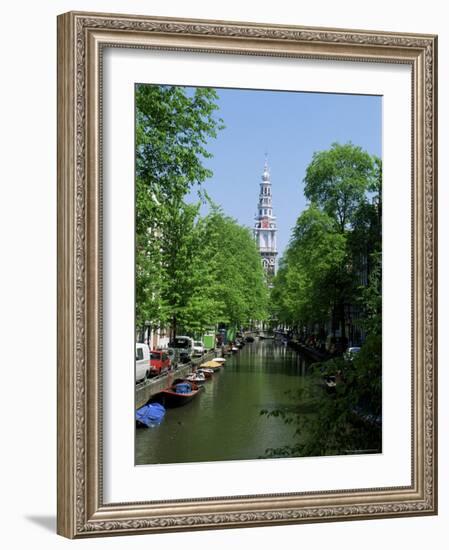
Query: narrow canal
(224, 422)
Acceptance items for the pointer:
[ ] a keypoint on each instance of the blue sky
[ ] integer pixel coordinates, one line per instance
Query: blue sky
(289, 127)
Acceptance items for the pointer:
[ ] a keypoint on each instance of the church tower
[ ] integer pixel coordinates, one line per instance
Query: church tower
(265, 225)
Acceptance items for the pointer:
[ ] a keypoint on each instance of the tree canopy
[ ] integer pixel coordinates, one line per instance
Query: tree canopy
(172, 129)
(191, 271)
(338, 179)
(330, 278)
(336, 241)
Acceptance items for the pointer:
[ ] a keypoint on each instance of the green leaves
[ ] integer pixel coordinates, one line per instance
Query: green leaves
(191, 272)
(338, 179)
(334, 241)
(172, 127)
(239, 274)
(333, 265)
(313, 271)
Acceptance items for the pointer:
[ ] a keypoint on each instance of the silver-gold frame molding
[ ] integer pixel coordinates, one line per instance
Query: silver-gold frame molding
(81, 39)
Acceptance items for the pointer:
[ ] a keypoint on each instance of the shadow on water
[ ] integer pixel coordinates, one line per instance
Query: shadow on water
(224, 422)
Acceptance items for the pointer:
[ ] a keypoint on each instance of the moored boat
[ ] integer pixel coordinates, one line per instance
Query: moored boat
(207, 372)
(214, 365)
(150, 415)
(178, 394)
(198, 377)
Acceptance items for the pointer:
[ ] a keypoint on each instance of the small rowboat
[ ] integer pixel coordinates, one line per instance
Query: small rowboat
(207, 372)
(221, 360)
(179, 393)
(211, 365)
(198, 377)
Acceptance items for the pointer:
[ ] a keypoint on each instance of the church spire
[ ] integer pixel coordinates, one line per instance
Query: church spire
(265, 229)
(266, 170)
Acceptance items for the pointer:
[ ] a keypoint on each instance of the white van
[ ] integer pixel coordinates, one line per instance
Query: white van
(142, 362)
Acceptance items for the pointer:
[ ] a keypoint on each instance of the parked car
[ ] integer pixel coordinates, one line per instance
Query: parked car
(142, 362)
(184, 348)
(159, 362)
(198, 349)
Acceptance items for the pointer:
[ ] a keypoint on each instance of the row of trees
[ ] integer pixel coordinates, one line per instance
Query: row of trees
(191, 271)
(331, 268)
(330, 272)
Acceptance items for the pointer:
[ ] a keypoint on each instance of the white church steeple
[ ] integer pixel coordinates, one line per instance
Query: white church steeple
(265, 224)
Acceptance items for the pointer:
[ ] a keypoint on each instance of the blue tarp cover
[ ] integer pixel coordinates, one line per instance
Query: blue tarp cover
(151, 415)
(183, 388)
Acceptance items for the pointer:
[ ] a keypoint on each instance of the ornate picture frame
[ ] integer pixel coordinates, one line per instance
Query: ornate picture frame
(82, 38)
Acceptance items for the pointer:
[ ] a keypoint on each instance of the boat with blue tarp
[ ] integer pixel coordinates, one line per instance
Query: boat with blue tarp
(178, 394)
(150, 415)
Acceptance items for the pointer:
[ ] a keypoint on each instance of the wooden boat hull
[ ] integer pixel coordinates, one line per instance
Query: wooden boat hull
(169, 398)
(197, 381)
(207, 374)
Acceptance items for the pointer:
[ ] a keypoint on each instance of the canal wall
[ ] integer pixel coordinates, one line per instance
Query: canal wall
(311, 353)
(151, 387)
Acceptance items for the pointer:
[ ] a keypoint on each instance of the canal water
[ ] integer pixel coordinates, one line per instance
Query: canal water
(223, 422)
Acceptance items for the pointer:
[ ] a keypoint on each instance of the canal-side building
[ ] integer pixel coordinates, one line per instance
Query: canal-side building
(265, 229)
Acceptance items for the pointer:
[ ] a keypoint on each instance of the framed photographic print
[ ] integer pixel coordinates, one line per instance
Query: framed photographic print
(246, 274)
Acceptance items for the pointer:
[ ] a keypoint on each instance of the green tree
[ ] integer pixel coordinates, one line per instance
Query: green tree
(307, 276)
(240, 282)
(212, 272)
(345, 422)
(337, 181)
(173, 126)
(333, 263)
(191, 272)
(190, 302)
(333, 240)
